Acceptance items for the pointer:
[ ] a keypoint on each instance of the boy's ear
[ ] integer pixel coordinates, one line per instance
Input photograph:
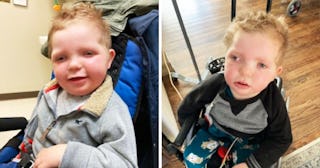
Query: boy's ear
(112, 54)
(279, 70)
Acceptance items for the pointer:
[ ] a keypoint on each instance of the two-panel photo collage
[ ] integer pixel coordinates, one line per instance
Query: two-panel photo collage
(160, 84)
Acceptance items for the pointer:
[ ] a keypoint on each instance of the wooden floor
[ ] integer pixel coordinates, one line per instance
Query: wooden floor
(206, 21)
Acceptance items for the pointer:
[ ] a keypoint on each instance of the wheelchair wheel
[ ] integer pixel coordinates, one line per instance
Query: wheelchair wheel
(294, 7)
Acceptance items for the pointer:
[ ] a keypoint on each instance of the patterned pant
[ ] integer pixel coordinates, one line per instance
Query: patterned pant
(208, 147)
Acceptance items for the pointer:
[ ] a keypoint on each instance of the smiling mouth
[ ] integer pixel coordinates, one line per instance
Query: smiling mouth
(77, 78)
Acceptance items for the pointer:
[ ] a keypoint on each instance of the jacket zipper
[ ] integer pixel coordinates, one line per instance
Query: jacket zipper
(46, 132)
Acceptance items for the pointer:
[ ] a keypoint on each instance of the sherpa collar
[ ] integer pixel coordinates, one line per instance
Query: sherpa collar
(97, 101)
(99, 98)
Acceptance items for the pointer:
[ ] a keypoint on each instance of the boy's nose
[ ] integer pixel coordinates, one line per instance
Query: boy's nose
(246, 70)
(74, 64)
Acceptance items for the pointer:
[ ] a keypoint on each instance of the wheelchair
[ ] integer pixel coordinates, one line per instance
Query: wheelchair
(131, 73)
(294, 8)
(194, 123)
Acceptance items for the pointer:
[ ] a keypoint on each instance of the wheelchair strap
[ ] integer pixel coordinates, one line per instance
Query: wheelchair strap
(26, 161)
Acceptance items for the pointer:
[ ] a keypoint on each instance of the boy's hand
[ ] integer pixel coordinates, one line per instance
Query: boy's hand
(240, 165)
(50, 157)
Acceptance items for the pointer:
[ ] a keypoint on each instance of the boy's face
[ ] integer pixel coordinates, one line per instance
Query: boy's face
(250, 64)
(80, 61)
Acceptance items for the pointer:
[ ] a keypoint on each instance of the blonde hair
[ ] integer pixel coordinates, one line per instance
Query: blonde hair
(260, 22)
(80, 12)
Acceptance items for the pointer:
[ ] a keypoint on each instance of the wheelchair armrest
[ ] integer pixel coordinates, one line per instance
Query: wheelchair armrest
(173, 148)
(13, 123)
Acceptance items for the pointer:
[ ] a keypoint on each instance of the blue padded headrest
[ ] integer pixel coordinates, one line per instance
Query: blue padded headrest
(129, 81)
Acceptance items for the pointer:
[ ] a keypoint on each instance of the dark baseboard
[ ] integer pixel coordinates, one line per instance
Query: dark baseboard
(20, 95)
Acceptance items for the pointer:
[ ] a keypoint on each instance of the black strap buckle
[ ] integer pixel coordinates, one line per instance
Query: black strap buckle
(27, 160)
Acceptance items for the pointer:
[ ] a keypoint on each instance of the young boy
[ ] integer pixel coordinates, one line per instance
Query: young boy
(246, 112)
(79, 121)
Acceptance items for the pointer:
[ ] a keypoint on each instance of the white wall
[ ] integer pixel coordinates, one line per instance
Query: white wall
(169, 124)
(22, 67)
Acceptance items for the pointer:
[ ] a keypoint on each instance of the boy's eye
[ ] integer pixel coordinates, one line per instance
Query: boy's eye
(59, 58)
(262, 65)
(234, 58)
(88, 53)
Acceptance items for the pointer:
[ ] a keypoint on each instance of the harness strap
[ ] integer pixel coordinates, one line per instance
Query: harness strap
(26, 161)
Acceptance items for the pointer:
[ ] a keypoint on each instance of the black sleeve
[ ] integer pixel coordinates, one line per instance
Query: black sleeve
(278, 136)
(201, 95)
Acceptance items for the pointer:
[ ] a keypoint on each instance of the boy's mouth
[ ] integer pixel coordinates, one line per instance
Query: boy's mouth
(74, 79)
(242, 85)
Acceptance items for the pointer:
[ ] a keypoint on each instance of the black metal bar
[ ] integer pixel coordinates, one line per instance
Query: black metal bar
(175, 5)
(233, 9)
(269, 4)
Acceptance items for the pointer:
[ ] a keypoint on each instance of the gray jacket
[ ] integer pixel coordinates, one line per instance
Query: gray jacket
(98, 134)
